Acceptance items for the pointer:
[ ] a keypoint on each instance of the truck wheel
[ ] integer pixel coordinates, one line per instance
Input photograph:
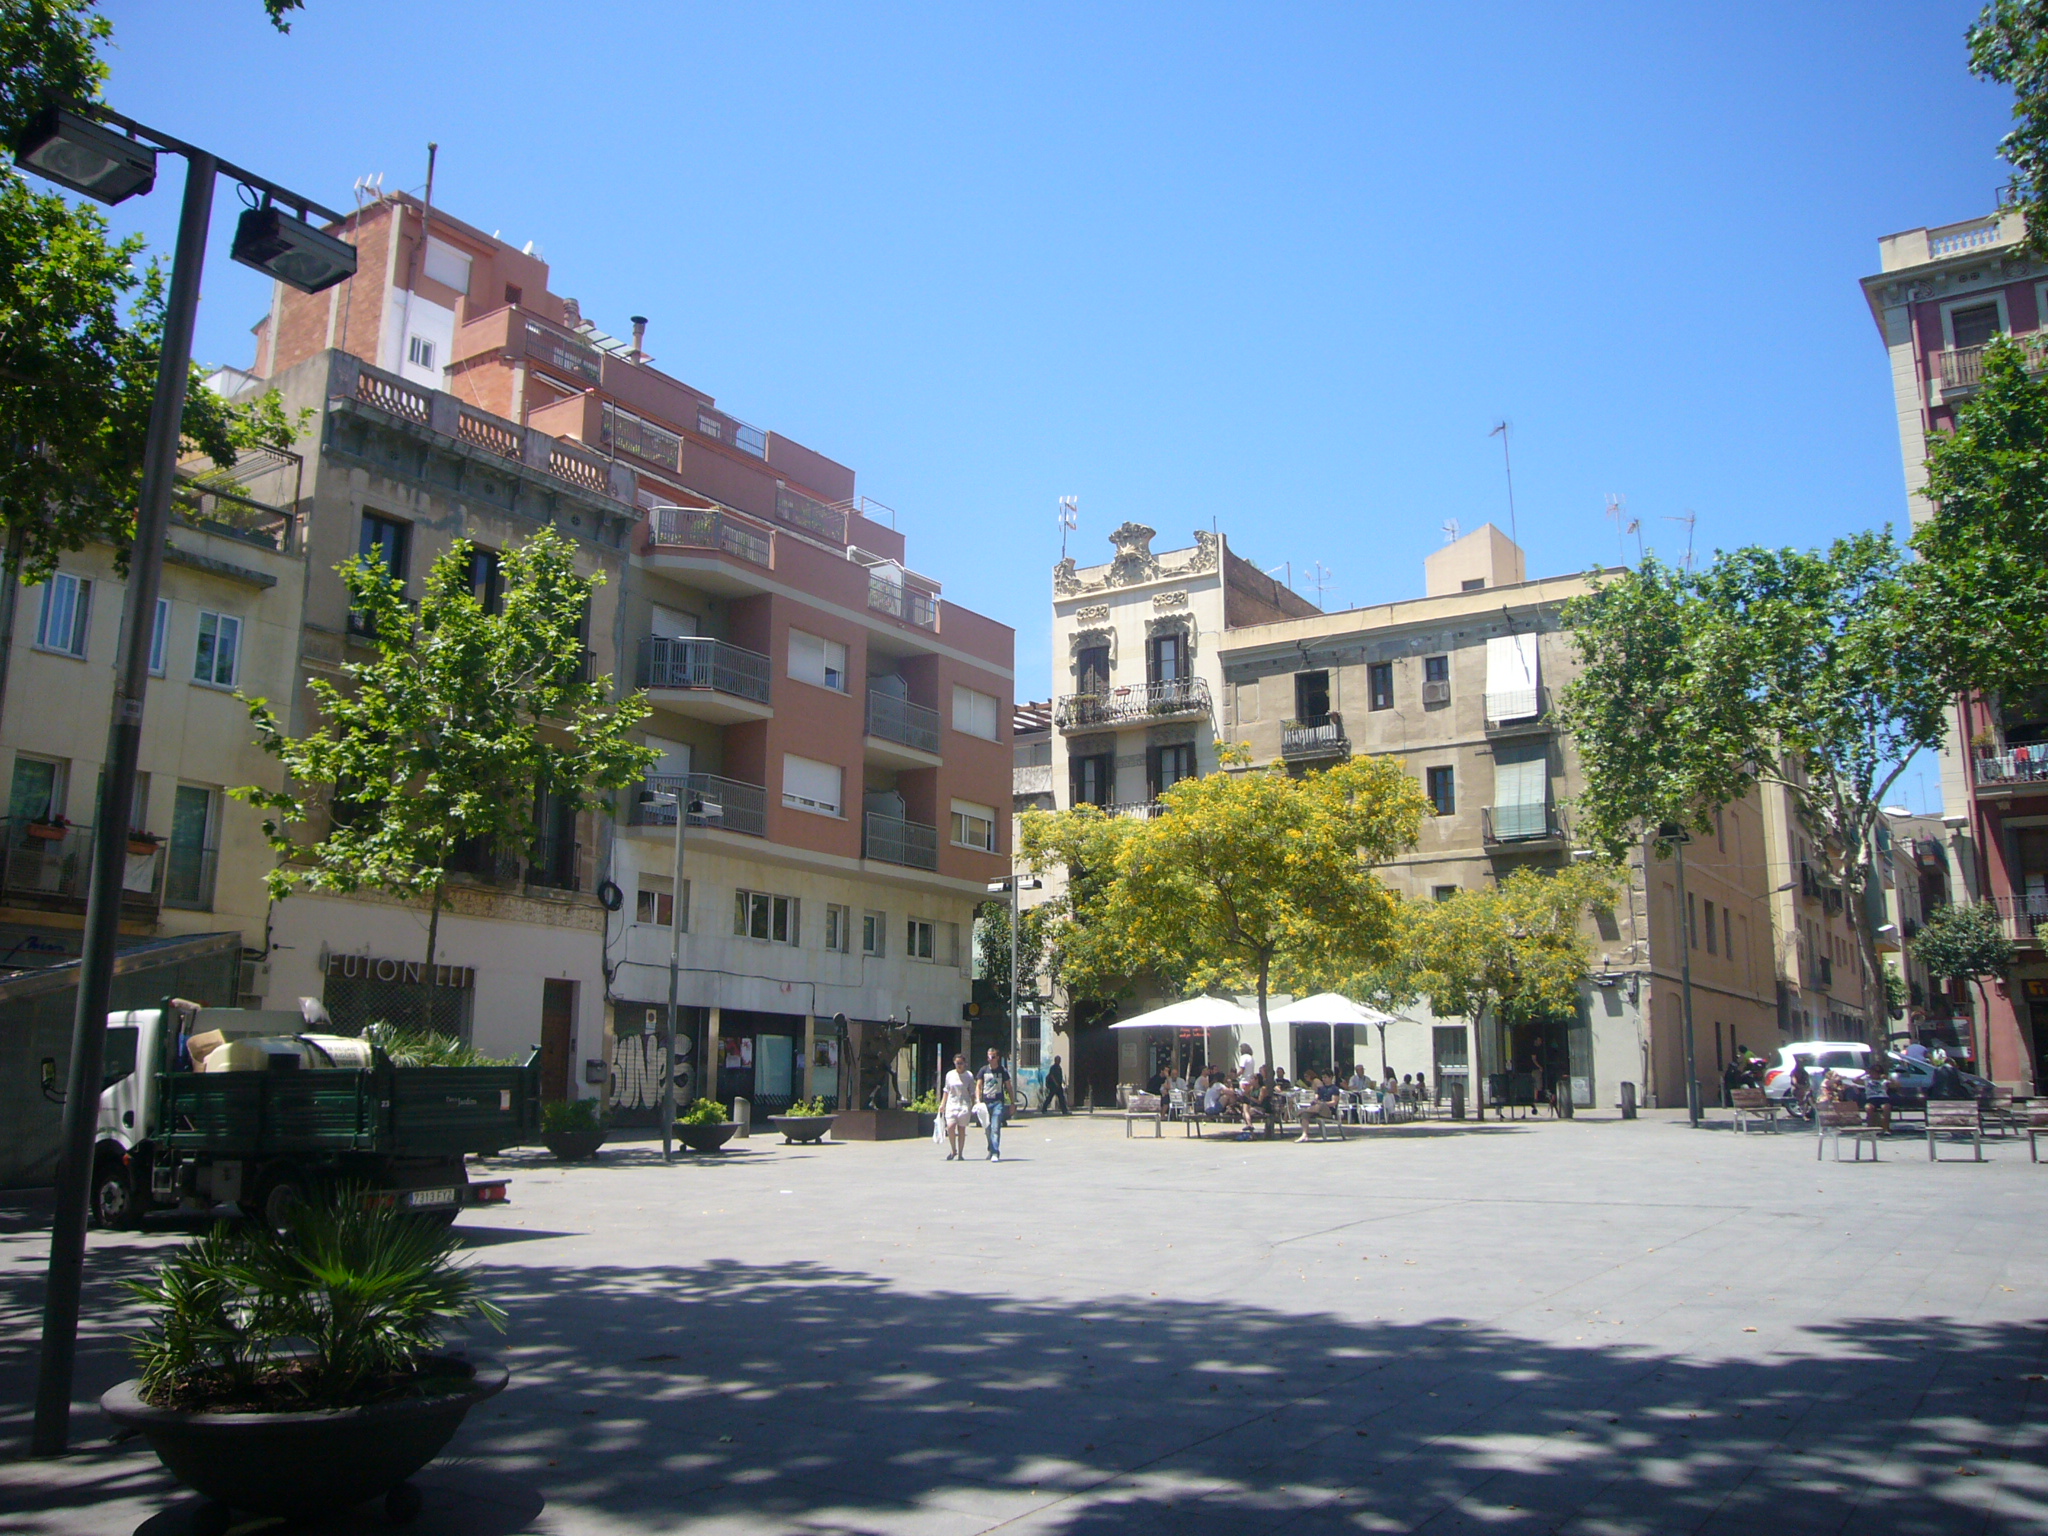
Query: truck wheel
(114, 1206)
(275, 1205)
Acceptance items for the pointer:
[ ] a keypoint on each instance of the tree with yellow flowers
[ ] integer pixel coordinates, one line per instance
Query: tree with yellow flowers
(1241, 876)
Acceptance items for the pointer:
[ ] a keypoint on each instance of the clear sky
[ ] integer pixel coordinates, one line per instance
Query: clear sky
(1279, 267)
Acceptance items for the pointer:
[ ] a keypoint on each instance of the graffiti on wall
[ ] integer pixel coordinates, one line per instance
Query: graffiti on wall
(638, 1065)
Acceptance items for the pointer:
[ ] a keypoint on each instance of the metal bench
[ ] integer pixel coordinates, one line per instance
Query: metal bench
(1955, 1117)
(1755, 1104)
(2037, 1127)
(1324, 1126)
(1843, 1122)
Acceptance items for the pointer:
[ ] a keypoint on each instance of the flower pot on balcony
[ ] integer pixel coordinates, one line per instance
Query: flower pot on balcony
(143, 845)
(48, 831)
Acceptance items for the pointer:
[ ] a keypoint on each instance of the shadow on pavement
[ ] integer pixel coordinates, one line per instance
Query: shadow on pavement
(796, 1396)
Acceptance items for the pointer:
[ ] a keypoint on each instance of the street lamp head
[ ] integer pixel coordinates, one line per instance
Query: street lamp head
(78, 153)
(291, 250)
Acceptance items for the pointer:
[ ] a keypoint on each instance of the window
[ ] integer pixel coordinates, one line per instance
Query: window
(1692, 924)
(1710, 930)
(384, 543)
(38, 793)
(1091, 669)
(759, 915)
(1442, 892)
(189, 868)
(1166, 658)
(874, 934)
(1472, 584)
(1170, 765)
(1720, 832)
(1380, 685)
(420, 352)
(974, 826)
(975, 713)
(446, 264)
(1436, 669)
(1311, 697)
(219, 650)
(918, 937)
(159, 637)
(812, 786)
(1727, 934)
(839, 929)
(1034, 754)
(656, 902)
(65, 616)
(486, 579)
(817, 661)
(514, 294)
(1974, 326)
(1091, 779)
(1443, 790)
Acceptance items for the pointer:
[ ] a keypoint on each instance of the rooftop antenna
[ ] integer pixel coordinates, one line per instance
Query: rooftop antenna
(1288, 567)
(1070, 519)
(1689, 519)
(1615, 505)
(1506, 459)
(1450, 530)
(1320, 574)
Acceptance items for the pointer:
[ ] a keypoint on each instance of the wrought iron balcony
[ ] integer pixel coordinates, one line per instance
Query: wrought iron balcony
(909, 843)
(2024, 917)
(1148, 701)
(702, 528)
(2015, 769)
(742, 807)
(899, 720)
(697, 662)
(1316, 736)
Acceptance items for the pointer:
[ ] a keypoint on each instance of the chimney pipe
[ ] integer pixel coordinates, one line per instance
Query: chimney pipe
(639, 336)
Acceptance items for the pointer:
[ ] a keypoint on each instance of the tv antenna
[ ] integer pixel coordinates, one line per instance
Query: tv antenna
(1288, 567)
(1508, 462)
(1070, 519)
(1450, 530)
(1319, 574)
(1689, 520)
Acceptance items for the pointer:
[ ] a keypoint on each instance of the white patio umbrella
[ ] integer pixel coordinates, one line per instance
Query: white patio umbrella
(1203, 1013)
(1332, 1009)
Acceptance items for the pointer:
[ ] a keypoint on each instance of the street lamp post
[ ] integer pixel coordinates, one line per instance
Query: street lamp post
(1678, 837)
(685, 806)
(1014, 883)
(76, 150)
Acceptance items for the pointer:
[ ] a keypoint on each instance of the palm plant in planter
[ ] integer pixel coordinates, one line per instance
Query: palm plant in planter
(572, 1129)
(291, 1372)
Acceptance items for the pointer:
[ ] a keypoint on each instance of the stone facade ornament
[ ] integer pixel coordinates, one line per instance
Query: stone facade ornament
(1134, 560)
(1204, 558)
(1169, 600)
(1094, 613)
(1064, 581)
(1174, 624)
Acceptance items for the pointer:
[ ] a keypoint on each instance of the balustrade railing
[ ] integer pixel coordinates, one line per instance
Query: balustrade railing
(1317, 736)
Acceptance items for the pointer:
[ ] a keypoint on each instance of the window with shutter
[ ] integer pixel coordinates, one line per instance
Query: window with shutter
(812, 786)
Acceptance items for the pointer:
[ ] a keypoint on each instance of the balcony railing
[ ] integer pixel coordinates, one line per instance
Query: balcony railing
(1031, 779)
(558, 348)
(1533, 823)
(1317, 736)
(899, 720)
(2024, 917)
(2022, 765)
(721, 428)
(223, 512)
(1152, 701)
(909, 843)
(51, 867)
(810, 514)
(695, 528)
(1516, 707)
(742, 807)
(1962, 368)
(1137, 810)
(623, 432)
(701, 663)
(903, 602)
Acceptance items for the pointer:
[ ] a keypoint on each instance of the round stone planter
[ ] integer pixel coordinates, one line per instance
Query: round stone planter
(706, 1138)
(299, 1464)
(802, 1129)
(573, 1146)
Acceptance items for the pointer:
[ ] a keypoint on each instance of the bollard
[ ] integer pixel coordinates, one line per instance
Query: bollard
(743, 1116)
(1457, 1101)
(1628, 1101)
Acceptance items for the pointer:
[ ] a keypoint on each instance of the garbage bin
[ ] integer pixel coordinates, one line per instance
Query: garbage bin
(743, 1117)
(1628, 1101)
(1457, 1101)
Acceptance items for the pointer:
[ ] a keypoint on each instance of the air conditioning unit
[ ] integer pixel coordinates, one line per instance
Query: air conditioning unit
(1436, 693)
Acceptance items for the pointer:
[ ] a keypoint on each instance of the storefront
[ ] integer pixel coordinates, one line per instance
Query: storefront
(760, 1059)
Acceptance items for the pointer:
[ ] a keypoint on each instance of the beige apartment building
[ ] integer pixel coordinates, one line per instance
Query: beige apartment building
(837, 731)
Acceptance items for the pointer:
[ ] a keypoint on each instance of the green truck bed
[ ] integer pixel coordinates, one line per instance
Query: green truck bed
(390, 1111)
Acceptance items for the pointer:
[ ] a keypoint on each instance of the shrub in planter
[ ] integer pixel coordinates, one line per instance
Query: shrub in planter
(705, 1126)
(572, 1129)
(804, 1121)
(297, 1371)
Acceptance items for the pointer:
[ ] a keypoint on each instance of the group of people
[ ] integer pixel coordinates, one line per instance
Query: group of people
(974, 1098)
(1874, 1092)
(1247, 1094)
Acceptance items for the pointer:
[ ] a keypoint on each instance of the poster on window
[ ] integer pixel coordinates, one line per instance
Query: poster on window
(739, 1053)
(824, 1053)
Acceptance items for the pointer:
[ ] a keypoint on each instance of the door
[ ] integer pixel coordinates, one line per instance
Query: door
(188, 877)
(1451, 1060)
(557, 1036)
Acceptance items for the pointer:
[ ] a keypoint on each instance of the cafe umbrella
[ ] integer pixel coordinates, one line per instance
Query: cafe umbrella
(1203, 1013)
(1332, 1009)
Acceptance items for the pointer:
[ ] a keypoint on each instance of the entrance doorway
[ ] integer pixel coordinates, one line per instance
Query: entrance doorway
(557, 1036)
(1451, 1054)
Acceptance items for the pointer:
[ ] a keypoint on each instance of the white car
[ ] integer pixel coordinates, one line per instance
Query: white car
(1849, 1058)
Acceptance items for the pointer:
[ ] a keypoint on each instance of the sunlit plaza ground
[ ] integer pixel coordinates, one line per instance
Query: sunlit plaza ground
(1592, 1326)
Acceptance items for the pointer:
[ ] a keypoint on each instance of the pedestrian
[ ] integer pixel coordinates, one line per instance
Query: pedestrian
(995, 1103)
(1055, 1088)
(1247, 1068)
(956, 1108)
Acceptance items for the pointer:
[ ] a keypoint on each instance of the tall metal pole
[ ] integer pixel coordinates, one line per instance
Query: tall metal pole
(1692, 1082)
(1014, 896)
(676, 914)
(110, 823)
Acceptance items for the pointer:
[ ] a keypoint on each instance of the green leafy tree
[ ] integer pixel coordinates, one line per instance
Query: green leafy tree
(994, 950)
(1515, 954)
(2009, 44)
(81, 331)
(464, 724)
(1079, 956)
(1966, 942)
(1793, 668)
(1980, 588)
(1243, 874)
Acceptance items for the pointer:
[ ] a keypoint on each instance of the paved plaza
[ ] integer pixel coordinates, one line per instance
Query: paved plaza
(1595, 1327)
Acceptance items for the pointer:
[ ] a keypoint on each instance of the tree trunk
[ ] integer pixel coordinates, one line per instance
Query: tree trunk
(1265, 1024)
(433, 943)
(1980, 1031)
(10, 594)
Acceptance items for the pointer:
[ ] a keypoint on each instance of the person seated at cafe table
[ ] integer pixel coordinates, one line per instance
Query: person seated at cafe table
(1359, 1082)
(1322, 1107)
(1258, 1102)
(1213, 1095)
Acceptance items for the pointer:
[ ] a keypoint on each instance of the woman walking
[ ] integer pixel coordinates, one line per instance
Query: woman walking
(956, 1108)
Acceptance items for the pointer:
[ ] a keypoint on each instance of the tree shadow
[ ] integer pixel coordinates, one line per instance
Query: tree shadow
(798, 1396)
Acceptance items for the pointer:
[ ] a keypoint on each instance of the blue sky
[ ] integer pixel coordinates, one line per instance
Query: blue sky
(1280, 267)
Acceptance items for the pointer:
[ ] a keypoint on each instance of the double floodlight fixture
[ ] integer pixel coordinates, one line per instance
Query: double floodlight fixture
(710, 810)
(291, 250)
(94, 161)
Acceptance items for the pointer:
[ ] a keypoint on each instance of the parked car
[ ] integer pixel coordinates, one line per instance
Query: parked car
(1911, 1080)
(1850, 1058)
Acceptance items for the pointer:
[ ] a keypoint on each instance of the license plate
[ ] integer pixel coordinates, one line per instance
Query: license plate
(420, 1197)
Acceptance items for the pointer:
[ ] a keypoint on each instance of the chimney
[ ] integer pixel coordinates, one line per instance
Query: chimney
(639, 336)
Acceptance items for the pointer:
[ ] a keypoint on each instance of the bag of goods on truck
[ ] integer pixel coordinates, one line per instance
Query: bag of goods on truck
(279, 1053)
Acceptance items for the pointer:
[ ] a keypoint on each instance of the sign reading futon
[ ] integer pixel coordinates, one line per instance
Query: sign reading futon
(374, 968)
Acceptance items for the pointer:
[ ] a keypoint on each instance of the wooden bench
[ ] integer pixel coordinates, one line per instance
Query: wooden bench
(1143, 1106)
(2037, 1127)
(1755, 1104)
(1955, 1117)
(1843, 1122)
